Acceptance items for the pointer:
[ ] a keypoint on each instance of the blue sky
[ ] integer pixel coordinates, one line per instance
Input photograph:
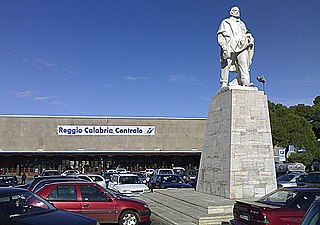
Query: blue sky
(147, 57)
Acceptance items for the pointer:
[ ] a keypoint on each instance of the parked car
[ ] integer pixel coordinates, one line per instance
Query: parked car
(312, 216)
(282, 206)
(177, 170)
(289, 180)
(141, 176)
(121, 170)
(110, 170)
(50, 173)
(42, 183)
(97, 179)
(107, 176)
(168, 181)
(22, 207)
(38, 179)
(8, 181)
(93, 200)
(127, 184)
(313, 179)
(149, 172)
(71, 172)
(188, 175)
(162, 171)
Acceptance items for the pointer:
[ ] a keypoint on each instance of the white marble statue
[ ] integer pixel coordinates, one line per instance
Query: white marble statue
(237, 48)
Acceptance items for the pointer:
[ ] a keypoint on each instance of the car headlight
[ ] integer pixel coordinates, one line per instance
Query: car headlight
(97, 223)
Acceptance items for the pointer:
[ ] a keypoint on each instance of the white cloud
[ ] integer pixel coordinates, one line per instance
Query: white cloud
(181, 79)
(134, 78)
(42, 98)
(24, 94)
(129, 78)
(58, 103)
(46, 63)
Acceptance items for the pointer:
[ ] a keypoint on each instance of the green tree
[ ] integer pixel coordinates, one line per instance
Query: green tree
(292, 126)
(316, 101)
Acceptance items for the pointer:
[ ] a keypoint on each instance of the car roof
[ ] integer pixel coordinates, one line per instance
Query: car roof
(165, 175)
(10, 190)
(93, 175)
(70, 183)
(303, 189)
(126, 175)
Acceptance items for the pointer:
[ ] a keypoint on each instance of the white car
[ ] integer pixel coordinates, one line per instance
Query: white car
(94, 178)
(149, 172)
(163, 171)
(71, 172)
(127, 184)
(98, 179)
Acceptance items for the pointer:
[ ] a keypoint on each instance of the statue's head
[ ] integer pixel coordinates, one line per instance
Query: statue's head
(235, 12)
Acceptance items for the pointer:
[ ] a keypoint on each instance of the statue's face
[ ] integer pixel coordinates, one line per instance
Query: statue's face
(235, 12)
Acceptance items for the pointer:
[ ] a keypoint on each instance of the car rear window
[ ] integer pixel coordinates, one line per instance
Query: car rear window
(279, 197)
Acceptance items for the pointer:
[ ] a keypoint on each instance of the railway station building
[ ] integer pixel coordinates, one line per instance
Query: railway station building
(94, 144)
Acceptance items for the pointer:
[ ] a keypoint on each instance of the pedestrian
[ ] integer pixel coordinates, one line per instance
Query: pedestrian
(15, 179)
(23, 178)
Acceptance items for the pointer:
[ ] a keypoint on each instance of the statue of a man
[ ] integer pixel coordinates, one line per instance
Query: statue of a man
(237, 48)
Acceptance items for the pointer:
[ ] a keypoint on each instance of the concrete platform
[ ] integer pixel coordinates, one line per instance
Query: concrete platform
(188, 207)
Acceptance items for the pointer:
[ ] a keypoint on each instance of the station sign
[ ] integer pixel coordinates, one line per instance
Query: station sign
(282, 155)
(77, 130)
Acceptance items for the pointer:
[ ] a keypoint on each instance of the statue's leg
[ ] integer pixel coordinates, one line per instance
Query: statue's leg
(224, 75)
(244, 68)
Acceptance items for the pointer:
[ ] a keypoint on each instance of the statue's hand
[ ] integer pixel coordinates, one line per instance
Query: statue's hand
(225, 54)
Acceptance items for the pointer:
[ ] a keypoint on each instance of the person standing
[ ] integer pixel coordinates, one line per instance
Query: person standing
(23, 178)
(236, 43)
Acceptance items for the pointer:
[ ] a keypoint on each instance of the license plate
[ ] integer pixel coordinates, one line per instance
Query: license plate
(244, 217)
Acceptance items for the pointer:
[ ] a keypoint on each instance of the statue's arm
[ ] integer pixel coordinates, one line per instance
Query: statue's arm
(223, 39)
(223, 36)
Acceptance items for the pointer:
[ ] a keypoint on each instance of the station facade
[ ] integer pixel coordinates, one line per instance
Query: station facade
(94, 144)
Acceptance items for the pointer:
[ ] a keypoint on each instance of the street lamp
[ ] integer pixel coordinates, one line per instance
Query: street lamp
(262, 80)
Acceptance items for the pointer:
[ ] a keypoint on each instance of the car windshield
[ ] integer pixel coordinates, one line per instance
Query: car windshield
(130, 180)
(171, 179)
(165, 172)
(287, 177)
(23, 204)
(278, 197)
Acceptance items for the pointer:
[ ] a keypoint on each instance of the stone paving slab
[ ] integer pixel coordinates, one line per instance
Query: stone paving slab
(188, 207)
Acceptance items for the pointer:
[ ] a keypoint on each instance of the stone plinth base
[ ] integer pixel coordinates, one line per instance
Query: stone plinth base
(237, 159)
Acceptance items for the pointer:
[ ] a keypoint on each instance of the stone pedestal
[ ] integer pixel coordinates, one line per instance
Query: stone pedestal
(237, 159)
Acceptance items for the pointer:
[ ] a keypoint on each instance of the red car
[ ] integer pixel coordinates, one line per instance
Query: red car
(93, 200)
(285, 206)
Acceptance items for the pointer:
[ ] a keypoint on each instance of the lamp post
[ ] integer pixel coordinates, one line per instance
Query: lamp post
(262, 80)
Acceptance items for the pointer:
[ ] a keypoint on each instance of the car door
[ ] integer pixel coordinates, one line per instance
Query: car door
(96, 203)
(65, 197)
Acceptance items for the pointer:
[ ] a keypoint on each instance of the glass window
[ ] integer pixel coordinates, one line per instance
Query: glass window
(313, 217)
(63, 193)
(92, 193)
(130, 180)
(304, 200)
(278, 197)
(23, 204)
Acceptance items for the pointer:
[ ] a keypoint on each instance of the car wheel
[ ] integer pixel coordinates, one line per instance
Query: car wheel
(129, 218)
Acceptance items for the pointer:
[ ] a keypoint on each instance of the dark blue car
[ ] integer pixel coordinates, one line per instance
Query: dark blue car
(168, 181)
(23, 207)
